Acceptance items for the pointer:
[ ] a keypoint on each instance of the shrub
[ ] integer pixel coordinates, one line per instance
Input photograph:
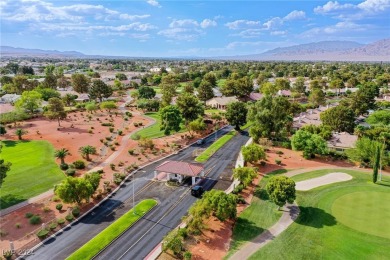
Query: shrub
(42, 233)
(69, 218)
(70, 172)
(116, 143)
(18, 225)
(53, 226)
(136, 136)
(279, 152)
(28, 215)
(187, 255)
(135, 124)
(112, 166)
(90, 131)
(46, 209)
(286, 145)
(120, 132)
(140, 124)
(76, 212)
(240, 200)
(64, 166)
(100, 171)
(131, 151)
(60, 221)
(56, 199)
(79, 164)
(35, 220)
(262, 163)
(111, 129)
(59, 206)
(238, 189)
(278, 162)
(3, 233)
(108, 138)
(129, 114)
(8, 254)
(107, 124)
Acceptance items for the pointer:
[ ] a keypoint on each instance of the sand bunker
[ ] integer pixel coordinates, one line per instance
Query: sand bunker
(323, 180)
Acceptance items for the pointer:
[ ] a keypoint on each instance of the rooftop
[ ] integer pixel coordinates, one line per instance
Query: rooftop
(182, 168)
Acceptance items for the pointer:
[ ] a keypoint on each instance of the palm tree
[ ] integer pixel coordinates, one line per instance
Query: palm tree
(61, 154)
(20, 132)
(87, 150)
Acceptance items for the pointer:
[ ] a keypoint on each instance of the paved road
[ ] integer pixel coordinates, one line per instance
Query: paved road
(147, 233)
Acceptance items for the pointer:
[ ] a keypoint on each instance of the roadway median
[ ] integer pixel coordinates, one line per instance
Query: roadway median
(206, 154)
(113, 231)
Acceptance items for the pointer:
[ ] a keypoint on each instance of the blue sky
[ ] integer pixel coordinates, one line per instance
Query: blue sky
(151, 28)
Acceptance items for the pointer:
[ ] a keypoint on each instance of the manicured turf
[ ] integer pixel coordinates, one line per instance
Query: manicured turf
(352, 210)
(206, 154)
(105, 237)
(154, 131)
(329, 229)
(255, 219)
(33, 171)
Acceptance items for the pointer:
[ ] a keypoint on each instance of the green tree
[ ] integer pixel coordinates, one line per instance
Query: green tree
(317, 97)
(267, 88)
(48, 93)
(170, 119)
(299, 85)
(120, 76)
(380, 117)
(363, 100)
(69, 99)
(211, 78)
(222, 205)
(197, 125)
(236, 114)
(74, 190)
(20, 132)
(94, 179)
(364, 152)
(56, 110)
(30, 101)
(376, 165)
(80, 83)
(4, 168)
(253, 153)
(239, 87)
(205, 91)
(91, 107)
(271, 118)
(339, 118)
(63, 82)
(281, 190)
(146, 92)
(190, 107)
(86, 151)
(108, 105)
(310, 144)
(61, 154)
(99, 90)
(245, 175)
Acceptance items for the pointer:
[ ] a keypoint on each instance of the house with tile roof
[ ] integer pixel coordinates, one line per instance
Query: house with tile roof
(220, 102)
(178, 171)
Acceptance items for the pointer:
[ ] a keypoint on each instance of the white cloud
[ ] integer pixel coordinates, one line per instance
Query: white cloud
(153, 3)
(137, 26)
(182, 34)
(208, 23)
(240, 24)
(133, 17)
(278, 33)
(330, 7)
(273, 23)
(340, 29)
(183, 23)
(295, 15)
(249, 33)
(374, 6)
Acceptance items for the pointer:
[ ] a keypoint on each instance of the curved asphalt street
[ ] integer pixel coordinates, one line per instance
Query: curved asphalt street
(140, 239)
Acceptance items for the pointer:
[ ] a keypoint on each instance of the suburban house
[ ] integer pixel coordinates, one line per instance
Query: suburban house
(342, 141)
(284, 93)
(9, 98)
(178, 171)
(254, 96)
(311, 117)
(220, 102)
(82, 98)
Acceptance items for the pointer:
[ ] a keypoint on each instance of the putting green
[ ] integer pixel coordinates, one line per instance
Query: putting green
(367, 212)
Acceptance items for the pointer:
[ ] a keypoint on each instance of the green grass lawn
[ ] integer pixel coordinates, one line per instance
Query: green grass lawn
(33, 171)
(206, 154)
(154, 131)
(91, 248)
(212, 111)
(255, 219)
(345, 220)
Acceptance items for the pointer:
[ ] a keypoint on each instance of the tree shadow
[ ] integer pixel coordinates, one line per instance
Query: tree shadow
(9, 200)
(261, 194)
(315, 217)
(13, 143)
(247, 231)
(383, 183)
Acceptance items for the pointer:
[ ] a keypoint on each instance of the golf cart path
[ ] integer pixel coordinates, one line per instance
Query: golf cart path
(322, 180)
(289, 215)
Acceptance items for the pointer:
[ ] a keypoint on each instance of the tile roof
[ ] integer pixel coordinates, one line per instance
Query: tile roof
(183, 168)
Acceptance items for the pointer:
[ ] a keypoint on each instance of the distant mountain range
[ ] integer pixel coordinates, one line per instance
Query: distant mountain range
(325, 51)
(315, 51)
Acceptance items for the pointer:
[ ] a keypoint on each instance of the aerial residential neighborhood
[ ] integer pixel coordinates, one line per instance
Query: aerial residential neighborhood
(195, 130)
